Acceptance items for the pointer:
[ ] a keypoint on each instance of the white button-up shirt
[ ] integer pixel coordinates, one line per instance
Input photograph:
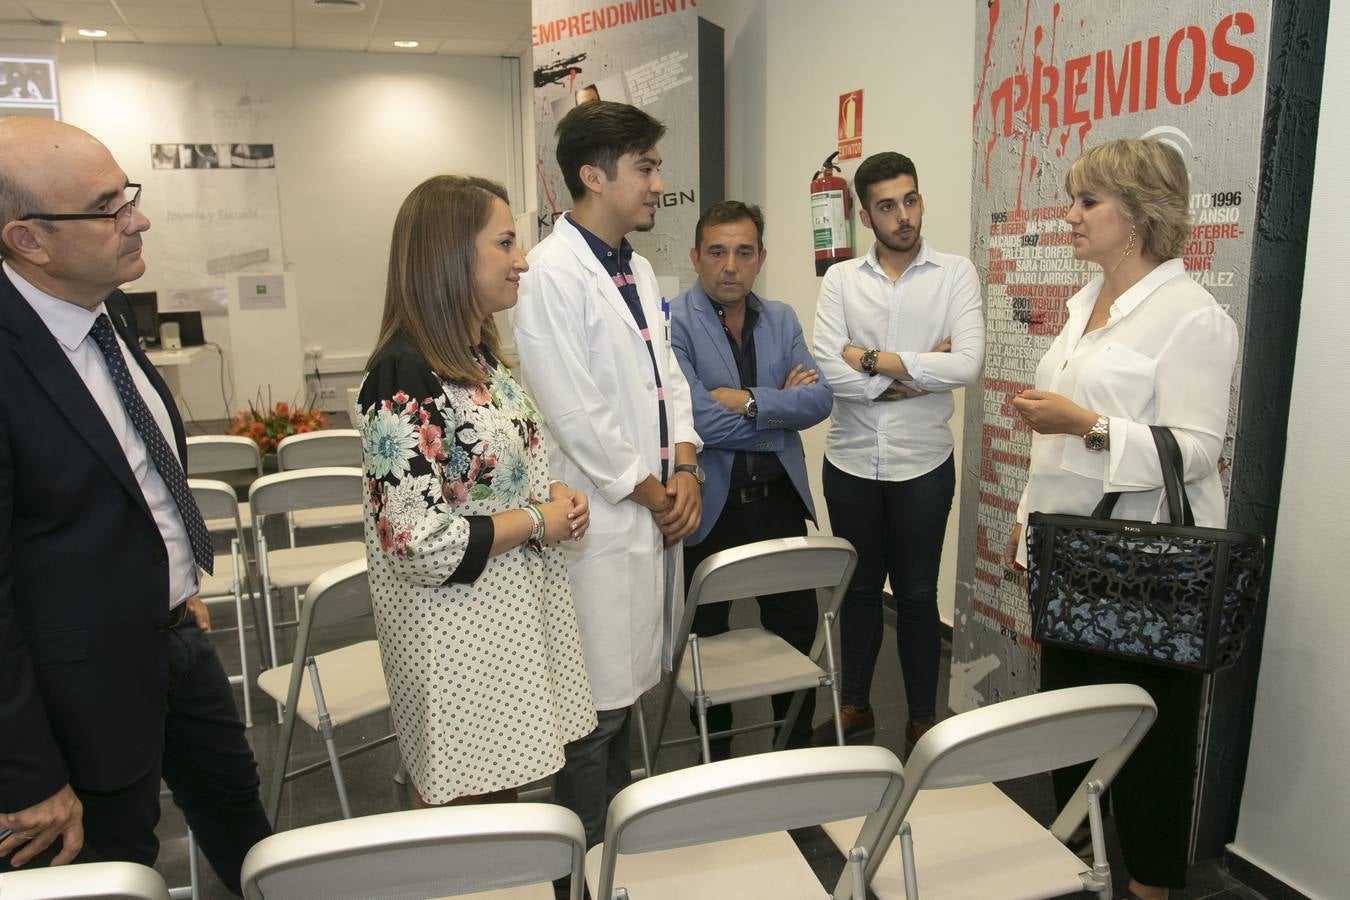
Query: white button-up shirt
(70, 325)
(1165, 357)
(936, 297)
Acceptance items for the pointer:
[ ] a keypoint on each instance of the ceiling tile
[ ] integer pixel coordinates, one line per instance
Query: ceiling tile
(457, 11)
(253, 37)
(164, 16)
(100, 14)
(251, 19)
(334, 24)
(10, 9)
(327, 40)
(477, 30)
(189, 36)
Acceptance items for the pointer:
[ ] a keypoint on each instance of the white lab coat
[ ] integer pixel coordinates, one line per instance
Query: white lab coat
(587, 367)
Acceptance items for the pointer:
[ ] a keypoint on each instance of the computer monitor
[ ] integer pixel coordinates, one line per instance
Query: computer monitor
(189, 326)
(145, 309)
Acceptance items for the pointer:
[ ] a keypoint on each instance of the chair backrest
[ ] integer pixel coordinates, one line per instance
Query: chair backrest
(338, 595)
(285, 492)
(208, 453)
(215, 499)
(1026, 736)
(769, 567)
(747, 796)
(420, 853)
(330, 447)
(86, 881)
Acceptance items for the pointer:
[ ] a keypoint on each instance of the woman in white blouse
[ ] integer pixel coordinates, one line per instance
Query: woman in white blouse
(1143, 345)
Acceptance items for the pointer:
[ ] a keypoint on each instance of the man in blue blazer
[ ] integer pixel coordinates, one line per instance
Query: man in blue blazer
(754, 387)
(107, 681)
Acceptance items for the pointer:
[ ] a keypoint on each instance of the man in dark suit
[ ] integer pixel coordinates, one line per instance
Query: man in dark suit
(754, 387)
(108, 681)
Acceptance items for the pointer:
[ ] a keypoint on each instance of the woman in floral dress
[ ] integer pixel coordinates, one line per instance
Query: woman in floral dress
(473, 609)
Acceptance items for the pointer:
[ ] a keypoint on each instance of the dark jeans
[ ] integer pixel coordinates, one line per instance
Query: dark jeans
(792, 616)
(1151, 797)
(897, 528)
(596, 768)
(206, 763)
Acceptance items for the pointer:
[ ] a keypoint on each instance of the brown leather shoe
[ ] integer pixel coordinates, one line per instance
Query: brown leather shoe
(913, 731)
(859, 727)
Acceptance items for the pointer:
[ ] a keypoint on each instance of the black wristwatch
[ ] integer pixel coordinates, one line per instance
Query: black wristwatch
(751, 408)
(693, 469)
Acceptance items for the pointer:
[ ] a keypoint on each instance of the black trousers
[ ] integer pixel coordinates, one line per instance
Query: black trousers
(1151, 797)
(897, 527)
(207, 764)
(792, 616)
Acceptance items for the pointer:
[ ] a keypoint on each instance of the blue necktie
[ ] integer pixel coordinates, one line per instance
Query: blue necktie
(161, 454)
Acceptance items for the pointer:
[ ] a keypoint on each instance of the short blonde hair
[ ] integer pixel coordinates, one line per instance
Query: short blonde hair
(1150, 180)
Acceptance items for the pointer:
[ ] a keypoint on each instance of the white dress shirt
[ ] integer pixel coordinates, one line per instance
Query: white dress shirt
(936, 297)
(70, 325)
(1164, 357)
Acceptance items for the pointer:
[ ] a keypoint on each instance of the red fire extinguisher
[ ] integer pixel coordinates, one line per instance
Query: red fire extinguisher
(831, 206)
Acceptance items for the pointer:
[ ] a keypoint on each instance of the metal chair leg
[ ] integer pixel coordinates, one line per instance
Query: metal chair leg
(239, 622)
(700, 699)
(834, 678)
(907, 857)
(642, 738)
(265, 576)
(326, 726)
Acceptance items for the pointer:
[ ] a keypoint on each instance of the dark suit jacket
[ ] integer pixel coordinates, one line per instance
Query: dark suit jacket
(84, 578)
(705, 357)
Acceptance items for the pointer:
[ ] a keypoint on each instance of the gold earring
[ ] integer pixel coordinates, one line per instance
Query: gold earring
(1129, 244)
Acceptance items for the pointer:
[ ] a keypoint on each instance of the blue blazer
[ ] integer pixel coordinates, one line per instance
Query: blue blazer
(705, 357)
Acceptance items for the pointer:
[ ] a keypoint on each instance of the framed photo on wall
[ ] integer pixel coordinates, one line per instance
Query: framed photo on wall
(28, 87)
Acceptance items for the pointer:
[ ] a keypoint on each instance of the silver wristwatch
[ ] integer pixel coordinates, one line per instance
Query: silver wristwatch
(1097, 438)
(751, 408)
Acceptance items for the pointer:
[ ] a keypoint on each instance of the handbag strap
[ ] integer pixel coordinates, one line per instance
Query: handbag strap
(1174, 485)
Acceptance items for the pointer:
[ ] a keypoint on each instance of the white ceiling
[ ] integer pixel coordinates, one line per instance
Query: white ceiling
(460, 27)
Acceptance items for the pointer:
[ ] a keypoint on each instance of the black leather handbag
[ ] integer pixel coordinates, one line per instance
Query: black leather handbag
(1172, 594)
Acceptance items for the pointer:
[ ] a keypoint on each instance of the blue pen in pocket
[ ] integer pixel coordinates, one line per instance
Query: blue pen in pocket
(665, 315)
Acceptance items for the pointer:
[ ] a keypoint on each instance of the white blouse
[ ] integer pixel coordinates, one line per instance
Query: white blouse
(1165, 357)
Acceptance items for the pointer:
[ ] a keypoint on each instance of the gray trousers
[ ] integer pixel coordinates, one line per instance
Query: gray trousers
(597, 767)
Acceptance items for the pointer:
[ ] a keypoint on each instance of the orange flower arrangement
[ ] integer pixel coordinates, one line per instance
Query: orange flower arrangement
(267, 427)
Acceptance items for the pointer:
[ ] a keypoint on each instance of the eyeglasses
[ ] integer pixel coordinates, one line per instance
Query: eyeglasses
(121, 215)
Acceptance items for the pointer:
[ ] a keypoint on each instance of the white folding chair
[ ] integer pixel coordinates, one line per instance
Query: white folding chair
(328, 690)
(294, 567)
(86, 881)
(319, 449)
(211, 454)
(511, 849)
(962, 838)
(217, 500)
(754, 662)
(720, 830)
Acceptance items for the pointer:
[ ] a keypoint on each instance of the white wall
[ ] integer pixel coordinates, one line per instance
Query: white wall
(1296, 802)
(354, 132)
(787, 62)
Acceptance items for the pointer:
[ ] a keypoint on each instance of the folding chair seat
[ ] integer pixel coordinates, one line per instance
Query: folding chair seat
(84, 881)
(961, 838)
(720, 830)
(513, 850)
(294, 567)
(753, 662)
(319, 449)
(216, 499)
(328, 690)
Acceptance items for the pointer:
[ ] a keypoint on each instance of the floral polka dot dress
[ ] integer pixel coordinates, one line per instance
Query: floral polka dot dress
(481, 653)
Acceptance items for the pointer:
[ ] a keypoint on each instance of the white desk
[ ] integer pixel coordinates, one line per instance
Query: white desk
(165, 358)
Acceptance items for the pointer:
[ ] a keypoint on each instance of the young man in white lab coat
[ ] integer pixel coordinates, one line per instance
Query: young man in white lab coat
(591, 330)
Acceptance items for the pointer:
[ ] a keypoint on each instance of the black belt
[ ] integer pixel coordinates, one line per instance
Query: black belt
(177, 616)
(752, 494)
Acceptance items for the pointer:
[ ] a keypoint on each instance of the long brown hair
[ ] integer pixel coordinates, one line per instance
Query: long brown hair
(429, 298)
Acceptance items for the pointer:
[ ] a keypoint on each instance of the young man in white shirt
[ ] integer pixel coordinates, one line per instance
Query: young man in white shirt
(594, 349)
(896, 332)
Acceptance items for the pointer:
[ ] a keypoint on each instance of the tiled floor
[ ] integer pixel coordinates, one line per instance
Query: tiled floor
(371, 788)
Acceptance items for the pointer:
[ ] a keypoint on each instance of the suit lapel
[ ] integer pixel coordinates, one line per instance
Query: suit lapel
(712, 326)
(42, 355)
